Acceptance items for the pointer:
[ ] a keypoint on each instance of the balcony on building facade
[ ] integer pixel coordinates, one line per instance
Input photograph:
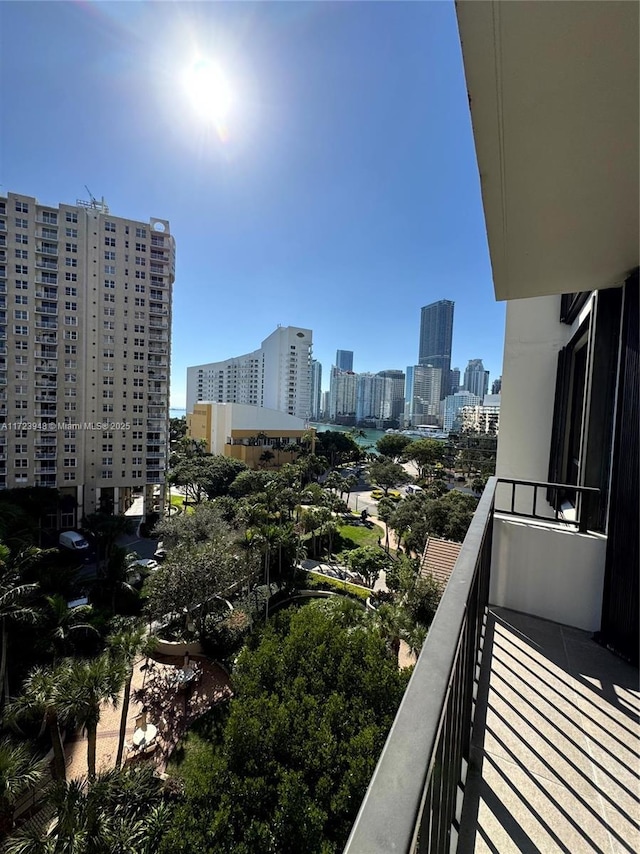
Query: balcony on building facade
(46, 480)
(517, 731)
(46, 324)
(51, 294)
(46, 455)
(158, 348)
(43, 235)
(45, 440)
(42, 264)
(40, 383)
(43, 249)
(49, 367)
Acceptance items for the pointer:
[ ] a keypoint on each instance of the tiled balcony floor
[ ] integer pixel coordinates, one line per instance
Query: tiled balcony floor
(559, 751)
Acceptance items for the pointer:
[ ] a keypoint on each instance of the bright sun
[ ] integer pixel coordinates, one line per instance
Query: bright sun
(208, 92)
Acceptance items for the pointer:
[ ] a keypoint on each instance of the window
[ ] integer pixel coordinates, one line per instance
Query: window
(71, 292)
(70, 335)
(21, 330)
(109, 241)
(107, 461)
(107, 381)
(107, 407)
(108, 324)
(21, 345)
(22, 360)
(20, 314)
(70, 262)
(70, 462)
(70, 320)
(21, 449)
(107, 394)
(109, 297)
(106, 474)
(71, 363)
(109, 283)
(109, 269)
(140, 261)
(71, 232)
(21, 299)
(22, 207)
(71, 247)
(141, 232)
(22, 223)
(21, 464)
(69, 407)
(109, 312)
(137, 327)
(140, 289)
(110, 256)
(70, 306)
(139, 300)
(22, 285)
(70, 349)
(68, 475)
(71, 216)
(22, 253)
(141, 247)
(50, 216)
(22, 238)
(71, 277)
(22, 269)
(21, 404)
(109, 226)
(70, 378)
(140, 274)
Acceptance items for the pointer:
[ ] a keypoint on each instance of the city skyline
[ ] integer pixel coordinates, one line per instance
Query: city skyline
(345, 178)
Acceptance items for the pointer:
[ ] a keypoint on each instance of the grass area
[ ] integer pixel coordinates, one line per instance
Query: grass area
(178, 501)
(354, 536)
(317, 581)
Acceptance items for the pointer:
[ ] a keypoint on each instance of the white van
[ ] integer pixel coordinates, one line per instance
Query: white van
(413, 490)
(73, 540)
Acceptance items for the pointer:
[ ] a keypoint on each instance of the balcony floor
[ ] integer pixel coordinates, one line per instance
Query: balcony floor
(559, 749)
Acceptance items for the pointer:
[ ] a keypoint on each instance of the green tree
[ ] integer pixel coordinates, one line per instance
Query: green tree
(368, 562)
(386, 509)
(315, 694)
(62, 623)
(386, 474)
(90, 684)
(267, 457)
(425, 453)
(106, 529)
(19, 771)
(43, 696)
(125, 645)
(16, 602)
(205, 523)
(337, 447)
(393, 446)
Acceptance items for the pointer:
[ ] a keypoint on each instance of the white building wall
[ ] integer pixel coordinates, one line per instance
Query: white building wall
(276, 376)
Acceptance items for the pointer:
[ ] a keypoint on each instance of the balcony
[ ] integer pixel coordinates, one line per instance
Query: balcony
(46, 324)
(43, 440)
(47, 294)
(46, 455)
(45, 480)
(42, 309)
(43, 249)
(516, 732)
(157, 348)
(41, 264)
(46, 339)
(49, 368)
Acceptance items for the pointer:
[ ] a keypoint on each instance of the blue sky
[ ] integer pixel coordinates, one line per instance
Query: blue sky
(344, 196)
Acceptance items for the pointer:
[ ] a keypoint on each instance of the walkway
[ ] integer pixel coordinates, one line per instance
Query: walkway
(559, 748)
(178, 709)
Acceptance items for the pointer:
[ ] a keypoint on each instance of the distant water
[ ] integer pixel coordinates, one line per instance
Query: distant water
(370, 436)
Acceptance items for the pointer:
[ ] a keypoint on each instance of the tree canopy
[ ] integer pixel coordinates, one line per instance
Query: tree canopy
(315, 697)
(393, 445)
(386, 474)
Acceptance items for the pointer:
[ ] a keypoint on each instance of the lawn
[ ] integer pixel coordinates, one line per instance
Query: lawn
(178, 501)
(359, 535)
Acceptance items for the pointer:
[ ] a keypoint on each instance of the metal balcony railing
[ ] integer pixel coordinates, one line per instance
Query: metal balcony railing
(414, 800)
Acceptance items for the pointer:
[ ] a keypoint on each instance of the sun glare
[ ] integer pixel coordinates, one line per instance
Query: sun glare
(209, 93)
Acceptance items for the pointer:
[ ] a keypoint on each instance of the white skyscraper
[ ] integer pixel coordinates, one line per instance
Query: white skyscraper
(276, 376)
(85, 331)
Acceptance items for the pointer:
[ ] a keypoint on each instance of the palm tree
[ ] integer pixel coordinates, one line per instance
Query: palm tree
(43, 695)
(106, 529)
(386, 509)
(16, 602)
(66, 621)
(19, 770)
(266, 457)
(90, 684)
(125, 646)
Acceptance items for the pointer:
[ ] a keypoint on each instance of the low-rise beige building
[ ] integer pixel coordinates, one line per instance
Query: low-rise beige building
(245, 432)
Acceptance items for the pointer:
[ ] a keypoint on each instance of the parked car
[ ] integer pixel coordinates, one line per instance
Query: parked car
(160, 552)
(73, 541)
(413, 490)
(146, 563)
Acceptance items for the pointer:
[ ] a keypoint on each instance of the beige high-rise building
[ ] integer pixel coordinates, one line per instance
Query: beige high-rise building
(85, 332)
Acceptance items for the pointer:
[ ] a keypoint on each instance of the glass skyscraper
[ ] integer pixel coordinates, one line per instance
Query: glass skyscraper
(436, 334)
(344, 360)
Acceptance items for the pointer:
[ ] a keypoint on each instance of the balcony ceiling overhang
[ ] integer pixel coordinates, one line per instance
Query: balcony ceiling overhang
(553, 91)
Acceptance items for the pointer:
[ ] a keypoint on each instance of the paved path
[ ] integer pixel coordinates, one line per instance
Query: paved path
(178, 709)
